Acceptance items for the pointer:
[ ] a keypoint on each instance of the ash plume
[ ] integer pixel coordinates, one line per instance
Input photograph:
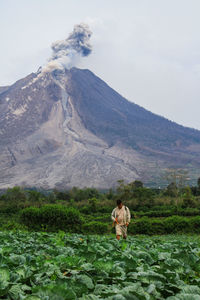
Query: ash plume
(67, 52)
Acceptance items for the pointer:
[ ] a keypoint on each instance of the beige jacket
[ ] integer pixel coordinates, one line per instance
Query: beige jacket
(126, 215)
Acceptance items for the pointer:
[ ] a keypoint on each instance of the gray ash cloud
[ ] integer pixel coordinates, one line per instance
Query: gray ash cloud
(67, 52)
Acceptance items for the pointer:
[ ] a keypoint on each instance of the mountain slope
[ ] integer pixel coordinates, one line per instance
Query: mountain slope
(113, 118)
(71, 129)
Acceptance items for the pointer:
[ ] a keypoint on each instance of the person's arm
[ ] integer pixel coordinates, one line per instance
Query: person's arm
(113, 215)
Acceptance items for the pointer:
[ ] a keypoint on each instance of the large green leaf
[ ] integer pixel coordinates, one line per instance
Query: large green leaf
(4, 287)
(15, 292)
(86, 280)
(4, 274)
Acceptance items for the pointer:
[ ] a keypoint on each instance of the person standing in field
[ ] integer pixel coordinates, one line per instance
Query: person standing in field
(121, 217)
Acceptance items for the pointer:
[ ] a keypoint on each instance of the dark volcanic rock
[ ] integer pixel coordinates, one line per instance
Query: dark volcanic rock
(113, 118)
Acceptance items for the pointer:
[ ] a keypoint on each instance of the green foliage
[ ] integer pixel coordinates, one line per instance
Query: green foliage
(15, 194)
(138, 184)
(171, 225)
(195, 224)
(136, 194)
(93, 204)
(144, 196)
(51, 218)
(188, 199)
(84, 194)
(170, 212)
(95, 227)
(172, 190)
(178, 224)
(62, 195)
(96, 206)
(84, 210)
(141, 226)
(198, 182)
(177, 178)
(14, 198)
(10, 222)
(34, 196)
(38, 265)
(110, 194)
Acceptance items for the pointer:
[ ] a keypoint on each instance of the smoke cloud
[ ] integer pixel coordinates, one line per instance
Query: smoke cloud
(67, 52)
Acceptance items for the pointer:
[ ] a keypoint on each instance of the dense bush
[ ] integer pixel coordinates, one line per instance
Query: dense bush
(195, 224)
(105, 209)
(157, 227)
(155, 213)
(9, 209)
(171, 225)
(170, 212)
(95, 227)
(51, 218)
(141, 226)
(189, 212)
(10, 222)
(177, 224)
(86, 209)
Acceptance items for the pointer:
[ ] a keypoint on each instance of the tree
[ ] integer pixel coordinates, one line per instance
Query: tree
(93, 204)
(177, 177)
(135, 193)
(198, 183)
(172, 190)
(138, 183)
(198, 187)
(62, 195)
(83, 194)
(15, 197)
(188, 199)
(110, 194)
(123, 190)
(34, 196)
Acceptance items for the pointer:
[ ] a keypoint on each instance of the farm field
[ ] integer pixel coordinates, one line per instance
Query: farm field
(37, 265)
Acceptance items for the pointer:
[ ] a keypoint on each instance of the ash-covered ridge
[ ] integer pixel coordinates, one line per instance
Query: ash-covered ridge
(68, 128)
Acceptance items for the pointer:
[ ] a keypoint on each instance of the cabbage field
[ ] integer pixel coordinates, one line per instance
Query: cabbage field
(59, 266)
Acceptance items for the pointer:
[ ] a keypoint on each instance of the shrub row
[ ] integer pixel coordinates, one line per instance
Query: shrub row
(57, 217)
(171, 225)
(95, 227)
(87, 209)
(51, 218)
(167, 213)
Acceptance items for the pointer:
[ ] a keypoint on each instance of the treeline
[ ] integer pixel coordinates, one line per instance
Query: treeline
(89, 200)
(153, 209)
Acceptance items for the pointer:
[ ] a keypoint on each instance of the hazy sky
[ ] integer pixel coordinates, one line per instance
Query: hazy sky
(149, 51)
